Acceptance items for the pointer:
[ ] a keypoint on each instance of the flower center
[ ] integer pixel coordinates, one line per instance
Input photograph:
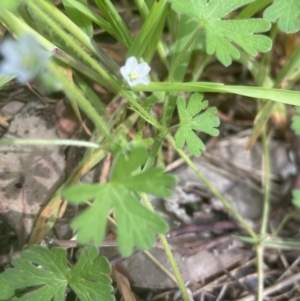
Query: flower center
(29, 61)
(133, 75)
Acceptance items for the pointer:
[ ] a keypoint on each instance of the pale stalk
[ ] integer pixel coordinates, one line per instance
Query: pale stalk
(169, 254)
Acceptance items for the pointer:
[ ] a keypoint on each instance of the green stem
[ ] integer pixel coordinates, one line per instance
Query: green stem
(265, 216)
(142, 8)
(267, 185)
(174, 266)
(260, 271)
(169, 255)
(79, 143)
(227, 205)
(167, 108)
(182, 53)
(153, 152)
(199, 68)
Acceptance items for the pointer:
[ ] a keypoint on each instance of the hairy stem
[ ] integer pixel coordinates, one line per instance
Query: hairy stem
(169, 255)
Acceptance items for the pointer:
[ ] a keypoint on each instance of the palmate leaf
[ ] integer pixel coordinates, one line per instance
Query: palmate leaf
(220, 33)
(287, 12)
(136, 225)
(47, 274)
(204, 122)
(7, 292)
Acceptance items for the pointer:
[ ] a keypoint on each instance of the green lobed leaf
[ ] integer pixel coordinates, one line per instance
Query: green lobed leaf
(83, 192)
(136, 225)
(152, 181)
(48, 273)
(220, 33)
(204, 122)
(89, 278)
(286, 13)
(7, 292)
(91, 224)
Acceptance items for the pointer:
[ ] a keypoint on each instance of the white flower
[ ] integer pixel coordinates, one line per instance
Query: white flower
(135, 73)
(25, 58)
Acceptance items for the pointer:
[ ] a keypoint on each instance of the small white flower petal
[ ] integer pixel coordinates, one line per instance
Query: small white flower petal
(9, 69)
(131, 63)
(10, 50)
(125, 71)
(143, 69)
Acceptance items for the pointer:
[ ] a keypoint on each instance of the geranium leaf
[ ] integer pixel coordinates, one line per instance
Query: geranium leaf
(136, 225)
(191, 120)
(43, 275)
(220, 32)
(287, 14)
